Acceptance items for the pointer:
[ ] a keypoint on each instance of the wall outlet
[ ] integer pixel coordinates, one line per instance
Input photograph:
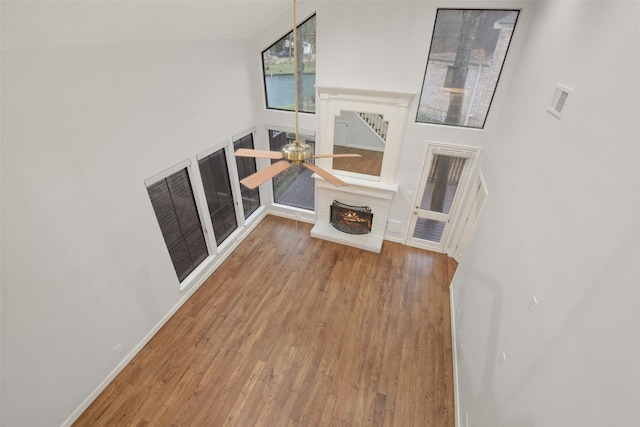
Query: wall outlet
(118, 349)
(532, 304)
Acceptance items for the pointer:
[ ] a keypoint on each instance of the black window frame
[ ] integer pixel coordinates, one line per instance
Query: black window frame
(498, 76)
(264, 71)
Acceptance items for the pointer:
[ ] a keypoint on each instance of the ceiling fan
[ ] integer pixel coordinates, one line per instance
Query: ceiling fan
(295, 153)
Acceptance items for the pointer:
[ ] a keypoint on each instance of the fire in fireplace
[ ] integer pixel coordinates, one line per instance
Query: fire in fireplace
(351, 219)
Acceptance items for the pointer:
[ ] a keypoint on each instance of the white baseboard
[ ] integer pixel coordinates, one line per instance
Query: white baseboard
(202, 277)
(394, 239)
(454, 355)
(295, 214)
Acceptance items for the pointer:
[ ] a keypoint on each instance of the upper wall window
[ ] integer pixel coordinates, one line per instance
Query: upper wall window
(468, 48)
(277, 66)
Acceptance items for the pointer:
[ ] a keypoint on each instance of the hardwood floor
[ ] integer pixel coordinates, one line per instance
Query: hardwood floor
(296, 331)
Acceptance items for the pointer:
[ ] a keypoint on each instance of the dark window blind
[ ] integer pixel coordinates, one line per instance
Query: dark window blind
(247, 166)
(217, 189)
(176, 211)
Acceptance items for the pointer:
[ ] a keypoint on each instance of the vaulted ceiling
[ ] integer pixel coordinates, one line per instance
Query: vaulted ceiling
(49, 23)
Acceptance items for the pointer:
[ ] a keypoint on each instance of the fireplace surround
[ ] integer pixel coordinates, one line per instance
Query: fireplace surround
(371, 194)
(375, 192)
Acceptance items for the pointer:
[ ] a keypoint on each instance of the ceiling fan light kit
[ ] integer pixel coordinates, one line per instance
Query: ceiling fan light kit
(297, 152)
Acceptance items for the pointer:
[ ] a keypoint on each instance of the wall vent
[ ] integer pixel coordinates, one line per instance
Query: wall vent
(559, 100)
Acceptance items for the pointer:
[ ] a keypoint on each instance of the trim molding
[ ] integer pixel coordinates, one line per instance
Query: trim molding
(454, 355)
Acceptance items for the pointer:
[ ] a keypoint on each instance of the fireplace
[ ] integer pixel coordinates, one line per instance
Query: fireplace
(369, 194)
(351, 219)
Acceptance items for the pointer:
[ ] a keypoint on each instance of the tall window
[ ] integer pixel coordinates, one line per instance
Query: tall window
(217, 189)
(177, 214)
(295, 186)
(278, 63)
(246, 167)
(468, 48)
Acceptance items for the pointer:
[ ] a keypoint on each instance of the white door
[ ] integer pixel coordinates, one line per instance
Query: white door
(478, 195)
(341, 134)
(444, 178)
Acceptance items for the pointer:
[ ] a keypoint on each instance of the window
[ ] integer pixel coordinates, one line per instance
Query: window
(217, 189)
(295, 186)
(175, 208)
(468, 49)
(277, 66)
(247, 166)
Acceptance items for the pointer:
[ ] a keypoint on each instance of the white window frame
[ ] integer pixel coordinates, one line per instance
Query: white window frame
(227, 145)
(263, 196)
(196, 185)
(279, 209)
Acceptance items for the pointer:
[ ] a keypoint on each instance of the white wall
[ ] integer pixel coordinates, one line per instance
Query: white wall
(85, 267)
(561, 223)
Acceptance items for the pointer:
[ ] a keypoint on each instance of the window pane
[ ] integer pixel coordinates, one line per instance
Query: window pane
(442, 183)
(177, 214)
(165, 213)
(217, 189)
(181, 260)
(467, 52)
(247, 166)
(429, 229)
(277, 66)
(295, 186)
(182, 197)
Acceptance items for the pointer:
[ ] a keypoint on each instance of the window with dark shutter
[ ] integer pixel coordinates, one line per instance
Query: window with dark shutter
(217, 189)
(247, 166)
(175, 208)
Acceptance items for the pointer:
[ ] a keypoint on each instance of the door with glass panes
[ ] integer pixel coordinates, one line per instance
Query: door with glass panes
(444, 177)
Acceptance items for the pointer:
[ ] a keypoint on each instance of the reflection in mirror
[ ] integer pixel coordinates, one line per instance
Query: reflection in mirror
(360, 133)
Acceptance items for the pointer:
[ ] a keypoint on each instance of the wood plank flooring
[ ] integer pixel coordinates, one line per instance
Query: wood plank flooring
(296, 331)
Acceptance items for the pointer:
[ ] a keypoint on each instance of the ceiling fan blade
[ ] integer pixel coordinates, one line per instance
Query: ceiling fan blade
(263, 154)
(263, 175)
(326, 175)
(335, 156)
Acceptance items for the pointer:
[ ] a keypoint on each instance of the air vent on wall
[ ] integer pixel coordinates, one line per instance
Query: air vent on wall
(559, 100)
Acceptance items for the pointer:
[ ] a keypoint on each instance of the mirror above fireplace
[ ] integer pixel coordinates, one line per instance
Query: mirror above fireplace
(364, 134)
(370, 122)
